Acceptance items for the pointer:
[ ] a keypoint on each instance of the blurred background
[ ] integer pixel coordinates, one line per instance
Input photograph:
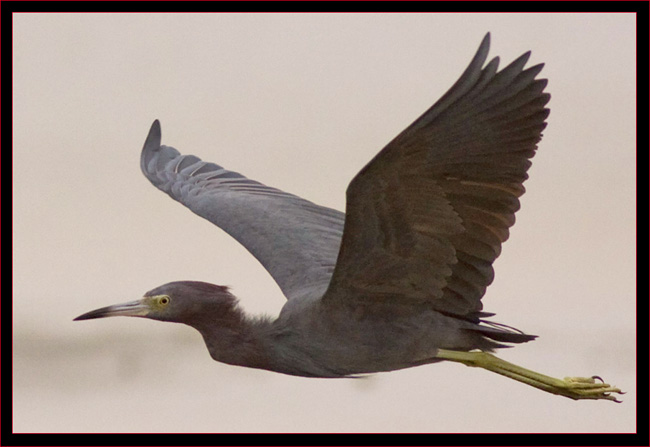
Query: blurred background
(302, 103)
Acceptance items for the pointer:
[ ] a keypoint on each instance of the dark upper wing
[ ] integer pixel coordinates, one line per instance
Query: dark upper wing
(294, 239)
(427, 216)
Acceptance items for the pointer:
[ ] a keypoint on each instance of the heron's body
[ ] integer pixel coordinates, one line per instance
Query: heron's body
(397, 280)
(347, 341)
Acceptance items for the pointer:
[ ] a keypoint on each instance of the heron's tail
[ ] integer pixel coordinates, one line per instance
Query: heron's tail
(497, 332)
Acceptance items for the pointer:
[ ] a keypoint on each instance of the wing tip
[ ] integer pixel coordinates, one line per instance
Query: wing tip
(151, 147)
(486, 41)
(154, 138)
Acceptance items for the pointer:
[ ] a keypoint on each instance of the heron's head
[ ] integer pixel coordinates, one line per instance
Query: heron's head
(189, 302)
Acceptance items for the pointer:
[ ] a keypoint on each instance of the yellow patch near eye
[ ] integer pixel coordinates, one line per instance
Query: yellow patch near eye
(160, 300)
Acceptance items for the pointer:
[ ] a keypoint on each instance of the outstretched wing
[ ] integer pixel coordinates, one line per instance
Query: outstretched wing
(294, 239)
(427, 216)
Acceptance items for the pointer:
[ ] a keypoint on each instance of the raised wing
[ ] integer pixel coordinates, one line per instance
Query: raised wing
(294, 239)
(427, 216)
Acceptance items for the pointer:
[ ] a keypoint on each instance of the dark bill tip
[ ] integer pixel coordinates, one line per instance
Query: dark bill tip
(92, 314)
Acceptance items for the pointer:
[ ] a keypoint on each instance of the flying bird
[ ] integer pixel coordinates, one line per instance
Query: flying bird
(397, 280)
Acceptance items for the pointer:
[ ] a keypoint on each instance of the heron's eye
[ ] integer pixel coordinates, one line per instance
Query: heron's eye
(164, 300)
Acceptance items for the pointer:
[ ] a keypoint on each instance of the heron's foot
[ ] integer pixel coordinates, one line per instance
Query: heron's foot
(589, 388)
(572, 387)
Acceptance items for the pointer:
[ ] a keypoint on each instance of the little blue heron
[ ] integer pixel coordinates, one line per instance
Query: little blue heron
(397, 280)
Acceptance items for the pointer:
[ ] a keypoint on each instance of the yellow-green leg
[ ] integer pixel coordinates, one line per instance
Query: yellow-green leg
(572, 387)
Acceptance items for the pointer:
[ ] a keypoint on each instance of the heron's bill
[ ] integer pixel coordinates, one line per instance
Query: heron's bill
(137, 308)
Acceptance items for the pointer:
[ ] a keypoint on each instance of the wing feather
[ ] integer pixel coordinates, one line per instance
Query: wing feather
(427, 217)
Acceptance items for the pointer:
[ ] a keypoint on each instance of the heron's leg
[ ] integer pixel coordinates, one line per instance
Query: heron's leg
(572, 387)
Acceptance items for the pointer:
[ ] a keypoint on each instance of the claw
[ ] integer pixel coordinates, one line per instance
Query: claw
(587, 388)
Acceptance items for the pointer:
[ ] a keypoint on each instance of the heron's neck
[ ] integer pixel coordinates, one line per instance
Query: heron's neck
(276, 345)
(234, 338)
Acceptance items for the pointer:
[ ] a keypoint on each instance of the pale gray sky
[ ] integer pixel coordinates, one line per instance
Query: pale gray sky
(302, 102)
